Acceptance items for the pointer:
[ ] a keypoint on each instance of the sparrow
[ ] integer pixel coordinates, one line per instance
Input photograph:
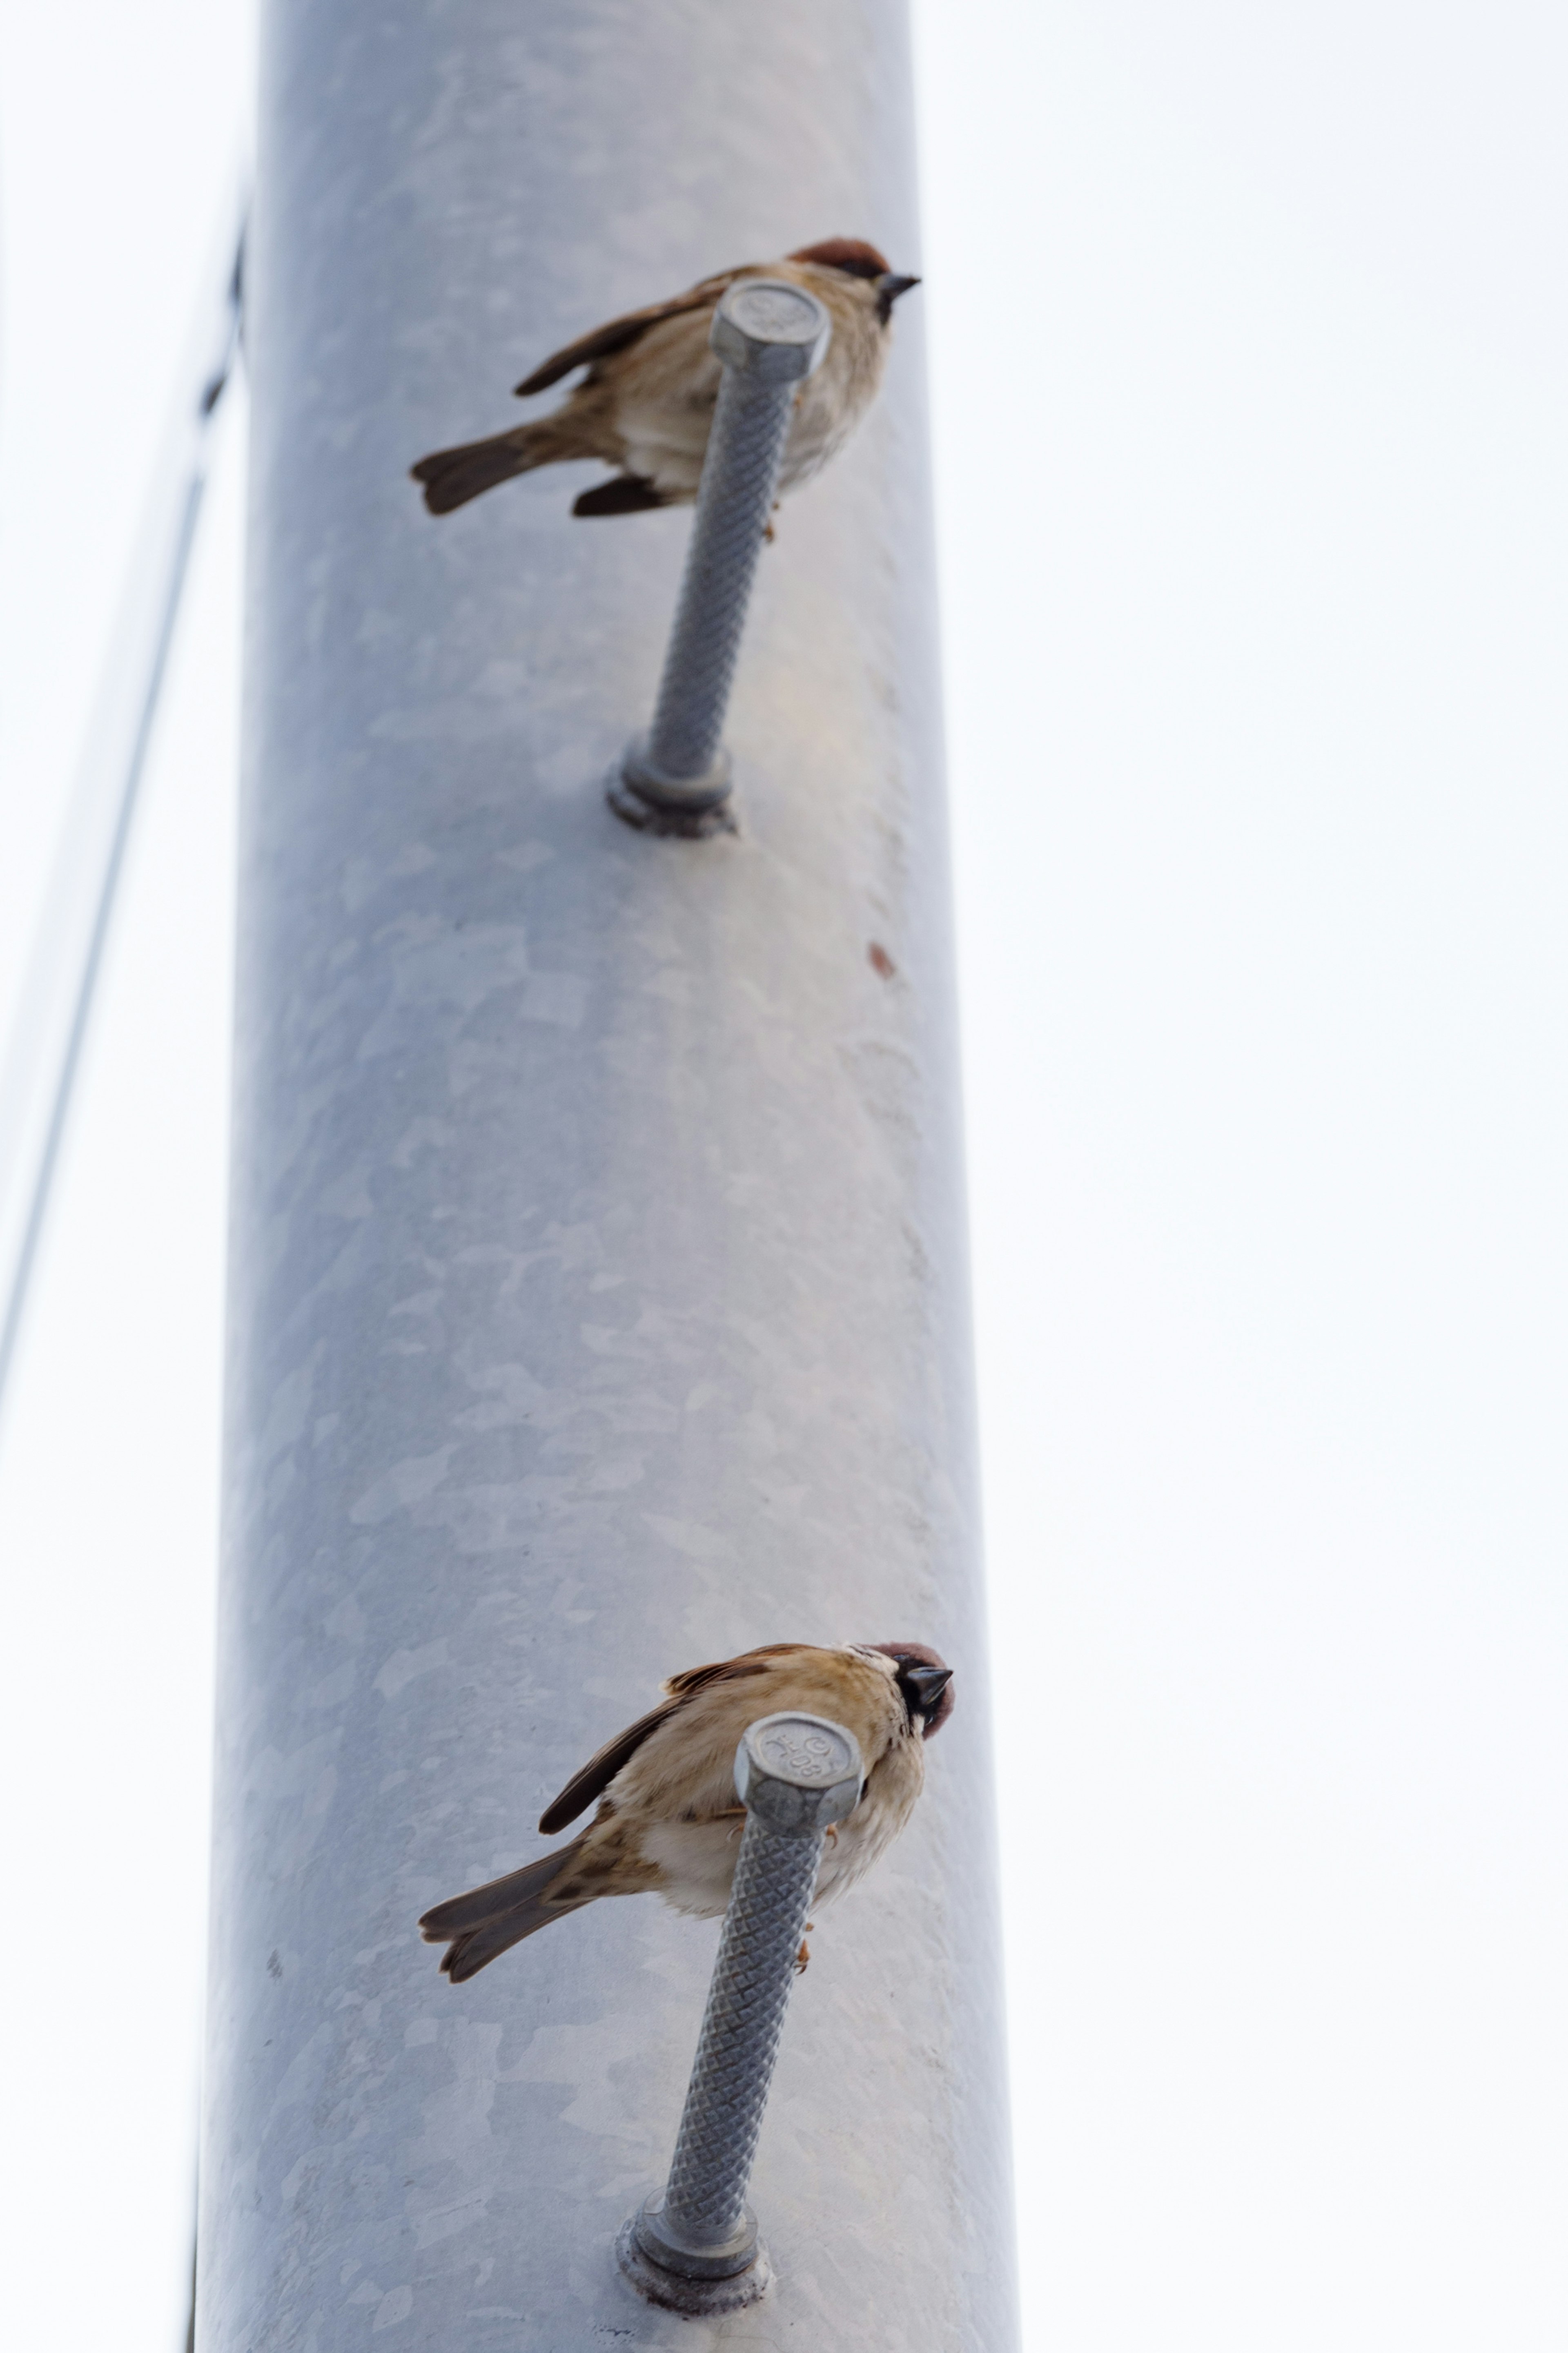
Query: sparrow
(668, 1820)
(647, 402)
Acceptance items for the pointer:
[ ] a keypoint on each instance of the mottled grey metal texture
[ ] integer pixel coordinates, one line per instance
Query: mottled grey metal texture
(782, 1760)
(740, 475)
(599, 1301)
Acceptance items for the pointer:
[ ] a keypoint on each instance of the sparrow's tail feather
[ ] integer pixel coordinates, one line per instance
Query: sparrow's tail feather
(453, 477)
(489, 1919)
(496, 1896)
(470, 1954)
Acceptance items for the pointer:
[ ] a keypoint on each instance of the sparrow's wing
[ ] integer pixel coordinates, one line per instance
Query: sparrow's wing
(748, 1663)
(602, 1768)
(619, 332)
(621, 494)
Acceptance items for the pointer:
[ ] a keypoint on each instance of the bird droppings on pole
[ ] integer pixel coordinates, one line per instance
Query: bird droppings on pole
(599, 1293)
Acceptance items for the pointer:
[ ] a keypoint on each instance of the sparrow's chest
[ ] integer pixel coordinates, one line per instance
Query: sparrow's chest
(890, 1794)
(696, 1863)
(696, 1859)
(833, 401)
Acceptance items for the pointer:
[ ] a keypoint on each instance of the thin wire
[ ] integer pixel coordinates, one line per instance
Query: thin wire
(213, 388)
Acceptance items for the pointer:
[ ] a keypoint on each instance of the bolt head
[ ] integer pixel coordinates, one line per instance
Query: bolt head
(799, 1773)
(770, 329)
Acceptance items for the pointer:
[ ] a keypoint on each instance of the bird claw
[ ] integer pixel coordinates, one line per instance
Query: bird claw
(802, 1958)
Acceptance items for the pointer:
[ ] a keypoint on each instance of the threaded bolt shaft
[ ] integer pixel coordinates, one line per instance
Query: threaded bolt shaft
(770, 335)
(796, 1776)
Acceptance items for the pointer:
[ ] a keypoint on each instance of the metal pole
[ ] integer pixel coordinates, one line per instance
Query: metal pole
(29, 1179)
(598, 1301)
(770, 336)
(694, 2248)
(20, 1277)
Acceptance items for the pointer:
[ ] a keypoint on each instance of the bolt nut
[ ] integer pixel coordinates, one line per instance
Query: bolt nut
(800, 1773)
(773, 330)
(663, 2243)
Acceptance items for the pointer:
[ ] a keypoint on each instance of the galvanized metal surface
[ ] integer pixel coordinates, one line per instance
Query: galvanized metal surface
(599, 1298)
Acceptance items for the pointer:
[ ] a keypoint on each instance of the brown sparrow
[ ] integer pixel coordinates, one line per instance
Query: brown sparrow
(646, 401)
(668, 1820)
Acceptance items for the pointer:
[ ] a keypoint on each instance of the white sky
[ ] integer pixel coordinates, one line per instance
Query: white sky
(1251, 366)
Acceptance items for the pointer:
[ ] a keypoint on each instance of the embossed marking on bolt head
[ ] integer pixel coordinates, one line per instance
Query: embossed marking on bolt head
(770, 329)
(799, 1772)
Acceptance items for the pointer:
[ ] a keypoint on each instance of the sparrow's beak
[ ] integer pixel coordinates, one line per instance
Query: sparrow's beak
(927, 1685)
(889, 290)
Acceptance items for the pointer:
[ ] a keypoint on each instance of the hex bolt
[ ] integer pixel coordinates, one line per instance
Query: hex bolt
(693, 2247)
(770, 336)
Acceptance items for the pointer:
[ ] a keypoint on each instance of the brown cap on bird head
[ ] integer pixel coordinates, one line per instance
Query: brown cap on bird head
(858, 259)
(851, 254)
(926, 1681)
